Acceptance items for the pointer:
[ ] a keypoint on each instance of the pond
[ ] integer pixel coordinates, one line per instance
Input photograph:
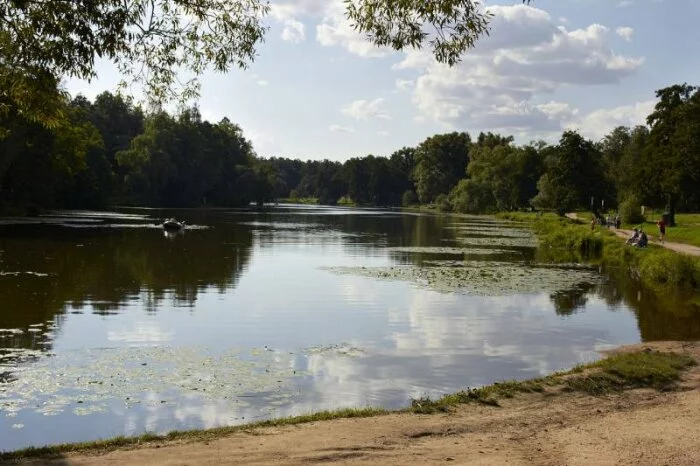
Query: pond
(110, 326)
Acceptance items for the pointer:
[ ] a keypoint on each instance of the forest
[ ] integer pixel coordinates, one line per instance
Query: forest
(110, 152)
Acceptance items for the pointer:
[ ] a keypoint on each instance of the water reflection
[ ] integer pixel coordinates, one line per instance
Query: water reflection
(131, 311)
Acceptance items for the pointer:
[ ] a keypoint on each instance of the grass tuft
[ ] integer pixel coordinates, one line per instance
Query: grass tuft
(644, 369)
(102, 446)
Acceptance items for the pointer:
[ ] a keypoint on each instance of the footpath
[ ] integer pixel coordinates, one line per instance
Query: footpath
(677, 247)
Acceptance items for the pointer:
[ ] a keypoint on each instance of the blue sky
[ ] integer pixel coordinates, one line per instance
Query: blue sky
(319, 90)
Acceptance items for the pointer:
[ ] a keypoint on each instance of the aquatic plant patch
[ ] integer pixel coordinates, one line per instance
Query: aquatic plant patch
(85, 382)
(481, 278)
(530, 241)
(451, 251)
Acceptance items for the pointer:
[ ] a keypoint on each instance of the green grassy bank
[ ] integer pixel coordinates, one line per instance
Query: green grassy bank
(563, 240)
(614, 374)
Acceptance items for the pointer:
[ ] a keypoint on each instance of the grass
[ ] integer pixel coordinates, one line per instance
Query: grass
(101, 446)
(643, 369)
(687, 229)
(565, 240)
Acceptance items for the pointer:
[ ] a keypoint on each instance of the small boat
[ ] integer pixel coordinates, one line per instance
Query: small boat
(173, 225)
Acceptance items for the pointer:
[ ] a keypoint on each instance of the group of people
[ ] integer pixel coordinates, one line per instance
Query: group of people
(638, 239)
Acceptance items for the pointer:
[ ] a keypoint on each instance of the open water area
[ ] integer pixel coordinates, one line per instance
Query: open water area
(111, 326)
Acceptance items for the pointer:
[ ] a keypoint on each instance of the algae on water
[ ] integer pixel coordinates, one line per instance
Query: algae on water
(480, 278)
(450, 250)
(85, 381)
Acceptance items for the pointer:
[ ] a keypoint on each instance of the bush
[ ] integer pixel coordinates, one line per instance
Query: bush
(472, 197)
(662, 267)
(443, 203)
(409, 198)
(631, 211)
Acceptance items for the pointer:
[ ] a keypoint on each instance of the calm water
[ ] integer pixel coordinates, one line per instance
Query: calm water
(109, 327)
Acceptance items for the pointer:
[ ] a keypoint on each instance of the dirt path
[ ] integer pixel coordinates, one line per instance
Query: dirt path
(678, 247)
(637, 427)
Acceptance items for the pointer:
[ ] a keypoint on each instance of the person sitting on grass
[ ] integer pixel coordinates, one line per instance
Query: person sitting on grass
(634, 238)
(643, 240)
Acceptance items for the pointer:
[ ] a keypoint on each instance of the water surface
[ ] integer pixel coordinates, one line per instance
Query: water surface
(108, 326)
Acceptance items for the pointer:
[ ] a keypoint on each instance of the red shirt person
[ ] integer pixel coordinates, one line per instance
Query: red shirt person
(662, 229)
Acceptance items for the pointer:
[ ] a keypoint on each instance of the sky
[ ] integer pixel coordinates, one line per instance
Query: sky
(319, 90)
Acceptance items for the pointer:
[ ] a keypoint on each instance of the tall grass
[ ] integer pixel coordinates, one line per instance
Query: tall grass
(563, 240)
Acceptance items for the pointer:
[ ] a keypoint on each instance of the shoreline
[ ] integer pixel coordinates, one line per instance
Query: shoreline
(617, 374)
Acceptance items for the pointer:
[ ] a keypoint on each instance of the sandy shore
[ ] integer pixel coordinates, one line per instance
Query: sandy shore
(557, 428)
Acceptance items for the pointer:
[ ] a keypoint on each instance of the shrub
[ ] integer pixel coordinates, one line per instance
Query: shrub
(409, 198)
(631, 211)
(443, 203)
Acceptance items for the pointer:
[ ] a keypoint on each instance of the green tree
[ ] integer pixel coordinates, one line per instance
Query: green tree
(441, 161)
(574, 174)
(672, 148)
(457, 24)
(151, 41)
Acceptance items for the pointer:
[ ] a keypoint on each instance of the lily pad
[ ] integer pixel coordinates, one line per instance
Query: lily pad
(480, 278)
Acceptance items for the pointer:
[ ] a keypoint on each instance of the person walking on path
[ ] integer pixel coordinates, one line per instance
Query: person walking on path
(662, 229)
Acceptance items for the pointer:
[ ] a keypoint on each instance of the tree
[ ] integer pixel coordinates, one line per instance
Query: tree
(673, 146)
(457, 24)
(152, 40)
(574, 175)
(441, 161)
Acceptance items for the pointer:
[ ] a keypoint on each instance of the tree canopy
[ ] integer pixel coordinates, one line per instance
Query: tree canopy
(156, 42)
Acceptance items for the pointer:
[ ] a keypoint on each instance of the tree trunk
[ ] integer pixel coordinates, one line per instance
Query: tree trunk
(671, 208)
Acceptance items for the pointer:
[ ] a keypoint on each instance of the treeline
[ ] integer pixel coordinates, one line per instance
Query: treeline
(110, 152)
(655, 165)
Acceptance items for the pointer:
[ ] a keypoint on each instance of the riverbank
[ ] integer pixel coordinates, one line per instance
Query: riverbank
(638, 404)
(564, 239)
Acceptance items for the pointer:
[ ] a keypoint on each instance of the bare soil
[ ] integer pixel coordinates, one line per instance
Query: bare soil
(556, 428)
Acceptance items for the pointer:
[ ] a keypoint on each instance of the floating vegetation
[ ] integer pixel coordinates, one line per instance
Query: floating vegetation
(83, 382)
(15, 274)
(493, 231)
(480, 278)
(530, 241)
(450, 251)
(342, 349)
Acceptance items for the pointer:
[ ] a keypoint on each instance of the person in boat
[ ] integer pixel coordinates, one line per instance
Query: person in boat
(173, 224)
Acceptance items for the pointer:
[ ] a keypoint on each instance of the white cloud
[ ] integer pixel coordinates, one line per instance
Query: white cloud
(263, 83)
(293, 31)
(366, 109)
(600, 122)
(624, 3)
(625, 32)
(341, 129)
(289, 9)
(336, 30)
(382, 133)
(405, 84)
(499, 85)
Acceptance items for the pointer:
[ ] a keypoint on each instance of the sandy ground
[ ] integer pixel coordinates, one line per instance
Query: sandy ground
(640, 427)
